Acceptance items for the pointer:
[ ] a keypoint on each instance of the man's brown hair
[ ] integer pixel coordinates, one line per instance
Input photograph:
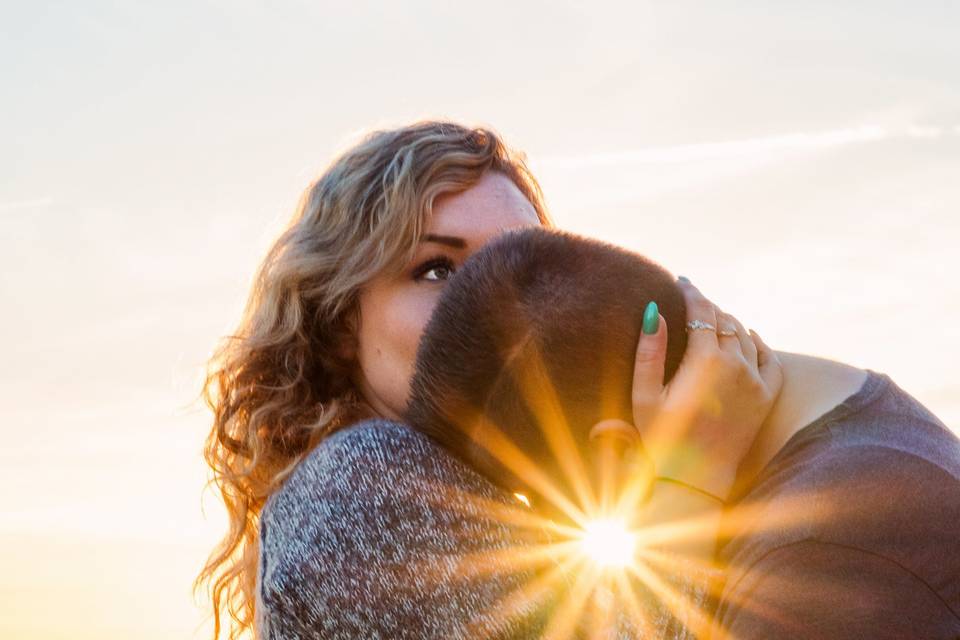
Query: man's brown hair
(532, 342)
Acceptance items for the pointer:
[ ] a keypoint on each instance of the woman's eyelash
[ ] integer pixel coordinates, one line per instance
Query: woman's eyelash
(432, 263)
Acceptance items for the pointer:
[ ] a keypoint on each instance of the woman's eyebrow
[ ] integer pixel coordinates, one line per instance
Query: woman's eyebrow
(452, 241)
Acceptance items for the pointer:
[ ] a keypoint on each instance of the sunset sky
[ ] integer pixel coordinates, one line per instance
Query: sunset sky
(800, 162)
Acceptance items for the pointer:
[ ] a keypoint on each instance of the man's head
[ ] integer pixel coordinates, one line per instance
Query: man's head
(531, 343)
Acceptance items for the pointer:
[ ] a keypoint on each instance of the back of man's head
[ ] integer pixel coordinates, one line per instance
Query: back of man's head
(532, 342)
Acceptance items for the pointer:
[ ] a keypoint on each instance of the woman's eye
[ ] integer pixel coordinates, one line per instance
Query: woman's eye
(434, 270)
(443, 272)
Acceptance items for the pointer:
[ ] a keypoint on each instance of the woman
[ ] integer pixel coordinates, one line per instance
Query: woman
(327, 341)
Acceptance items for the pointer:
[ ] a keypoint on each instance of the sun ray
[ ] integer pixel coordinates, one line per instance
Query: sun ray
(681, 607)
(631, 601)
(514, 558)
(519, 601)
(541, 397)
(469, 504)
(492, 439)
(568, 612)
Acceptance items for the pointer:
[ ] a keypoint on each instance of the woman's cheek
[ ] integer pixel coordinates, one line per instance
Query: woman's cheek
(421, 306)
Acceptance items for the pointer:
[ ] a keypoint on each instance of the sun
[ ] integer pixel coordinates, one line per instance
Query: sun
(608, 542)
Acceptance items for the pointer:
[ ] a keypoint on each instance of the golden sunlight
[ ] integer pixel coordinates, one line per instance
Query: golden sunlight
(522, 498)
(608, 542)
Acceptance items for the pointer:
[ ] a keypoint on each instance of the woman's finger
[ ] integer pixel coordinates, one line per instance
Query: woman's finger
(771, 371)
(747, 347)
(699, 309)
(648, 366)
(729, 343)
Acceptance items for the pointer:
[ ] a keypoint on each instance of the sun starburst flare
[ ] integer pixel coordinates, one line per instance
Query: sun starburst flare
(599, 560)
(608, 542)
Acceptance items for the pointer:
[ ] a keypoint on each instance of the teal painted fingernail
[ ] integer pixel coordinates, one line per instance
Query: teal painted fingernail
(683, 279)
(651, 319)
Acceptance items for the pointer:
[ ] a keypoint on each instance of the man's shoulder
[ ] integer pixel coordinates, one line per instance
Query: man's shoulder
(884, 481)
(850, 526)
(894, 420)
(854, 492)
(879, 442)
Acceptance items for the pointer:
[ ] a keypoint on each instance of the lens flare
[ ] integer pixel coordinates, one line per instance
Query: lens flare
(522, 499)
(608, 542)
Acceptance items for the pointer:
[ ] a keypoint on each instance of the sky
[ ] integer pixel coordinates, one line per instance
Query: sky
(799, 162)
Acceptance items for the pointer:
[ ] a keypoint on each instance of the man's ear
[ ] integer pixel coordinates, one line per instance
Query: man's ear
(614, 429)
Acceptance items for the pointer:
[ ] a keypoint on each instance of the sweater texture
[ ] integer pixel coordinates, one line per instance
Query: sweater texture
(381, 533)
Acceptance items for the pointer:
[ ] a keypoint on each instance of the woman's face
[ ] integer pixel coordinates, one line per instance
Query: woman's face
(394, 309)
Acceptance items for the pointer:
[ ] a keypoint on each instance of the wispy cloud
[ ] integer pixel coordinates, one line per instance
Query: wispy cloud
(749, 147)
(17, 205)
(613, 178)
(923, 131)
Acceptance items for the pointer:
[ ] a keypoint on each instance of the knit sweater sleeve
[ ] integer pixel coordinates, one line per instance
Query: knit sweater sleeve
(380, 533)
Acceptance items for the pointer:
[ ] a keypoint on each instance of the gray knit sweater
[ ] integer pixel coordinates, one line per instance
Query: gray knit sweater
(380, 533)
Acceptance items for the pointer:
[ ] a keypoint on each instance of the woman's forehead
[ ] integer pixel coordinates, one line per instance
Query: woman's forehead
(491, 206)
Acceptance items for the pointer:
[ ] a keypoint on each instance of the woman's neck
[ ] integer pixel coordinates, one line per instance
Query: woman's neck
(812, 386)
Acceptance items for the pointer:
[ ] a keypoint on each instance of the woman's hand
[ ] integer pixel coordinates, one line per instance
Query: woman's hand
(698, 428)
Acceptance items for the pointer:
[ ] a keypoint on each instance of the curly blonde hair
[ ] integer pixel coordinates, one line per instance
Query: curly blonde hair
(279, 385)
